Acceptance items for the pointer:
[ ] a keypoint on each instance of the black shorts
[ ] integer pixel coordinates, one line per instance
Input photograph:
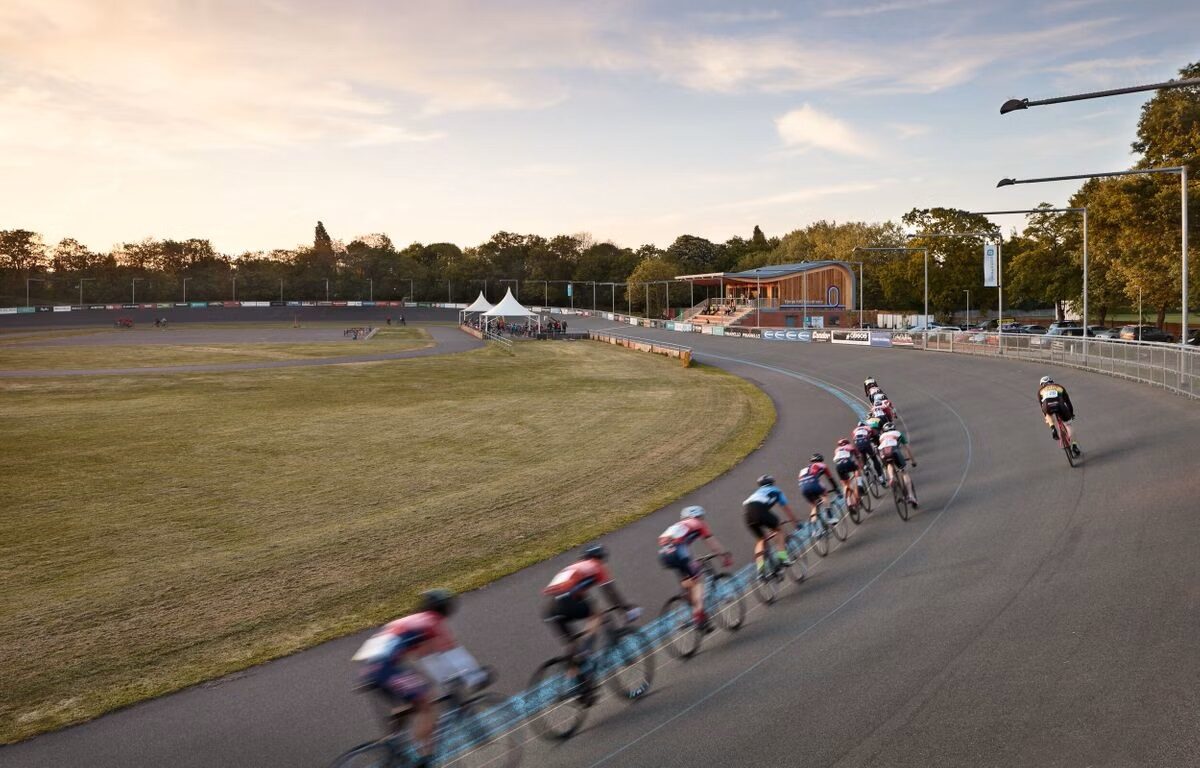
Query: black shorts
(760, 519)
(1056, 406)
(846, 469)
(812, 492)
(563, 610)
(679, 559)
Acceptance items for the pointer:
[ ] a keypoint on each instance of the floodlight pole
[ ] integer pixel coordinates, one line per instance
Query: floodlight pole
(185, 281)
(1012, 105)
(83, 280)
(1183, 178)
(133, 290)
(1082, 210)
(29, 280)
(925, 251)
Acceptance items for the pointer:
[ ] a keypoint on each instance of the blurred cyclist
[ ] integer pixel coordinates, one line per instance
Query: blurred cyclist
(762, 522)
(674, 552)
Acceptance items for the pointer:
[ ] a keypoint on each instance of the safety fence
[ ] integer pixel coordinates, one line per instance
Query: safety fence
(679, 352)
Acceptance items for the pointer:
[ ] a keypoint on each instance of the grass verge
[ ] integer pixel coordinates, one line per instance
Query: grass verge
(161, 532)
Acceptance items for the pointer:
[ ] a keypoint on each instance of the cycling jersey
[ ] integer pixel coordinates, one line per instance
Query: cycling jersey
(876, 424)
(576, 579)
(891, 440)
(869, 385)
(845, 453)
(767, 496)
(810, 476)
(862, 436)
(879, 412)
(684, 533)
(1053, 398)
(420, 633)
(877, 396)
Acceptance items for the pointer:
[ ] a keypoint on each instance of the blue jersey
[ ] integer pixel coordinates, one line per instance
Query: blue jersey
(766, 495)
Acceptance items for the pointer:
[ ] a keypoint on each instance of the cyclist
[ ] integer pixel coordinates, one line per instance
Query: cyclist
(814, 490)
(864, 440)
(568, 602)
(849, 463)
(1053, 399)
(879, 412)
(889, 410)
(402, 659)
(893, 445)
(762, 522)
(674, 552)
(869, 384)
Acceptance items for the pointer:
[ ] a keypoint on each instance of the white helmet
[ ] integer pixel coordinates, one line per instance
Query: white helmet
(692, 511)
(1045, 380)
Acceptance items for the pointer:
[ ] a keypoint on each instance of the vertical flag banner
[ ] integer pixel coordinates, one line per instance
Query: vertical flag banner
(989, 265)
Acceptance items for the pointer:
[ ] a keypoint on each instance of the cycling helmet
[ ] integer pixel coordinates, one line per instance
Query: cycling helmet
(692, 511)
(844, 441)
(595, 552)
(1045, 380)
(862, 423)
(868, 381)
(766, 480)
(888, 426)
(440, 601)
(816, 457)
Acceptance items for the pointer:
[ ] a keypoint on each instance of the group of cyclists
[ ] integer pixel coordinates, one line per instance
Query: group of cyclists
(412, 656)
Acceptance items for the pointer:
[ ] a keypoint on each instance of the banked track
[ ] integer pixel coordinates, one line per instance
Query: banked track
(1029, 614)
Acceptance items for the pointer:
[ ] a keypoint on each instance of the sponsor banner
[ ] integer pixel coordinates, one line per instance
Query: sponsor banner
(127, 306)
(718, 330)
(278, 303)
(670, 325)
(990, 253)
(684, 327)
(881, 339)
(163, 305)
(337, 304)
(822, 335)
(198, 304)
(319, 303)
(354, 303)
(113, 306)
(851, 337)
(295, 303)
(787, 334)
(231, 304)
(215, 304)
(59, 308)
(745, 333)
(8, 310)
(256, 303)
(633, 321)
(902, 340)
(181, 304)
(97, 306)
(372, 304)
(42, 309)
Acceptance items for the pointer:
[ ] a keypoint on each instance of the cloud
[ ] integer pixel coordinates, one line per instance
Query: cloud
(908, 130)
(804, 195)
(874, 10)
(737, 17)
(808, 128)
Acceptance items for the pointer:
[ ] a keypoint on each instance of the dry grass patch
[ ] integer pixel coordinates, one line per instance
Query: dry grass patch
(163, 531)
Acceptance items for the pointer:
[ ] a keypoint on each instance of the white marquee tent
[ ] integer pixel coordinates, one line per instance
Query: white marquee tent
(480, 305)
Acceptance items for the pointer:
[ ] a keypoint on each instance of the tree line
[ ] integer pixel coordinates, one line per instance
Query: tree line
(1133, 243)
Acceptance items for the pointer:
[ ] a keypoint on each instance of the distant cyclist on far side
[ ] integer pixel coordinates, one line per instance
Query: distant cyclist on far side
(1053, 399)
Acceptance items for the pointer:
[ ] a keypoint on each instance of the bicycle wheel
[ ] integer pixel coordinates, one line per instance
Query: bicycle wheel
(875, 483)
(377, 754)
(562, 708)
(821, 538)
(864, 499)
(855, 512)
(479, 740)
(899, 497)
(766, 586)
(724, 603)
(840, 529)
(799, 555)
(683, 638)
(629, 663)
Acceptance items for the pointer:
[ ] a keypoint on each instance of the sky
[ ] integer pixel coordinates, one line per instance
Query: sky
(246, 121)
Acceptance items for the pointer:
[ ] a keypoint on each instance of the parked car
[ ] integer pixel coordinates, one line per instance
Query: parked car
(1034, 329)
(1145, 333)
(1103, 331)
(1193, 338)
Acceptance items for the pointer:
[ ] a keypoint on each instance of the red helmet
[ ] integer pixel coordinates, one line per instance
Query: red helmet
(844, 441)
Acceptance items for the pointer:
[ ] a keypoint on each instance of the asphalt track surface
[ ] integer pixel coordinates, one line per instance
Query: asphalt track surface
(1028, 614)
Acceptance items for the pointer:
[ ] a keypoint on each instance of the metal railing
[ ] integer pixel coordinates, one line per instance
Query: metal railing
(1163, 365)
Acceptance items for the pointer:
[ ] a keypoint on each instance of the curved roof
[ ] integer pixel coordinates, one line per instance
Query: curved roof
(782, 270)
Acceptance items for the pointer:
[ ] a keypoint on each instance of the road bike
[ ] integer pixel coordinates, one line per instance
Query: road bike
(830, 520)
(873, 478)
(768, 581)
(1073, 452)
(625, 662)
(722, 603)
(462, 730)
(864, 499)
(900, 491)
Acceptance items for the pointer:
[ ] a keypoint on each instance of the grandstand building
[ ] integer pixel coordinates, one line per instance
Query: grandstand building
(823, 293)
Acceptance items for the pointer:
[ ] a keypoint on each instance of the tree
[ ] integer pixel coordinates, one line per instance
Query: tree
(653, 267)
(955, 263)
(758, 240)
(70, 255)
(21, 250)
(694, 255)
(1044, 263)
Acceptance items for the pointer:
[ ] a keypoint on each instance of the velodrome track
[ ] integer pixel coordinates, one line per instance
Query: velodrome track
(1028, 614)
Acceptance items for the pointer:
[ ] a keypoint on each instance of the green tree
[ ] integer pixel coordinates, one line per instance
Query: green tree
(1044, 264)
(645, 279)
(22, 250)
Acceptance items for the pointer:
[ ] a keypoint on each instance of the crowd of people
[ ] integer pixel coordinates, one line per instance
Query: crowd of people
(529, 328)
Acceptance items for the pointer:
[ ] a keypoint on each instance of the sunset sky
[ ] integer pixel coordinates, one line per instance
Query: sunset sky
(246, 121)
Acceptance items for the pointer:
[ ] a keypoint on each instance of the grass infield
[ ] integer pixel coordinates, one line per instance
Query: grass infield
(163, 531)
(21, 354)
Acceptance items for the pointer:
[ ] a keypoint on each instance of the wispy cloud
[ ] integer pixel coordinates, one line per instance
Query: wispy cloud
(807, 194)
(737, 17)
(889, 7)
(809, 128)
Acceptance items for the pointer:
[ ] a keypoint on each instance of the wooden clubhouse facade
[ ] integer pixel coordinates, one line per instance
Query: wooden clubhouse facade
(826, 289)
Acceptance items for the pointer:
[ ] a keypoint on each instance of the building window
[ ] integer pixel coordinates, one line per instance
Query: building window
(833, 296)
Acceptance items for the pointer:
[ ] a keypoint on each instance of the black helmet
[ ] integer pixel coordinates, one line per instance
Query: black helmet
(888, 426)
(440, 601)
(595, 552)
(766, 480)
(816, 457)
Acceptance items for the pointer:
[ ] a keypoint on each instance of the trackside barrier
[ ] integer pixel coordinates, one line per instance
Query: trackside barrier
(533, 702)
(681, 353)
